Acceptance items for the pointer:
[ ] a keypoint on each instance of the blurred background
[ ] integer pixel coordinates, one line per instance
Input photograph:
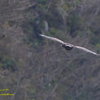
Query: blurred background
(35, 68)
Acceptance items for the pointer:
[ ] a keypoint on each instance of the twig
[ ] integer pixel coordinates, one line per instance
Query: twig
(18, 71)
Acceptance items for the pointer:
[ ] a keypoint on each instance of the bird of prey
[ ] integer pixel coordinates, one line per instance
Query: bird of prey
(69, 46)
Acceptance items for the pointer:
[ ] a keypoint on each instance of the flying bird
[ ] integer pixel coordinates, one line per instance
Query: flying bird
(69, 46)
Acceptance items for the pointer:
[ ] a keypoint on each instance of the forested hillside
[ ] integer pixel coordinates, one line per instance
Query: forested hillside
(35, 68)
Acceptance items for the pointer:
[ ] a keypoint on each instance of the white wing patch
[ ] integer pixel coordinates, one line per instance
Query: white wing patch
(52, 38)
(84, 49)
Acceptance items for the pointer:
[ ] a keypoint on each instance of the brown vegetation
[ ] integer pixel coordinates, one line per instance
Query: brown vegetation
(34, 68)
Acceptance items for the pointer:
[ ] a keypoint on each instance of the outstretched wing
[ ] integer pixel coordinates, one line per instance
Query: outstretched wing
(78, 47)
(87, 50)
(52, 38)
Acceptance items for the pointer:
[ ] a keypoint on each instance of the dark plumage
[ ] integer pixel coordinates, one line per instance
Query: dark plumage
(69, 46)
